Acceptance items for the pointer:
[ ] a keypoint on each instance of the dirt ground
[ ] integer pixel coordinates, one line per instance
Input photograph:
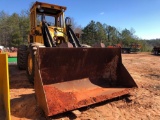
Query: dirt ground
(143, 104)
(12, 54)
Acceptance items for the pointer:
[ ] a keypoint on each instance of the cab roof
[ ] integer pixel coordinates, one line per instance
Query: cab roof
(47, 8)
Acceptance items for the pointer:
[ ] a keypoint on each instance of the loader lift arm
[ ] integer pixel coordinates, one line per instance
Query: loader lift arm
(48, 41)
(71, 35)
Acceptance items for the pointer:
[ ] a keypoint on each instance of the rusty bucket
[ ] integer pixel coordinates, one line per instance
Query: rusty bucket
(71, 78)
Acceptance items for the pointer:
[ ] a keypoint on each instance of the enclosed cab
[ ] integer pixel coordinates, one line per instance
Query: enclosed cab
(44, 15)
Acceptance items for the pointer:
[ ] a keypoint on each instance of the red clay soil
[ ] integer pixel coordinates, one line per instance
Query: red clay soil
(12, 54)
(143, 104)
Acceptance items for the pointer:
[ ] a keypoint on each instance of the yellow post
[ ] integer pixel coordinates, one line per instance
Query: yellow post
(4, 88)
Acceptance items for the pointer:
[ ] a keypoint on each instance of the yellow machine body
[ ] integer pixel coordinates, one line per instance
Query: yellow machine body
(4, 88)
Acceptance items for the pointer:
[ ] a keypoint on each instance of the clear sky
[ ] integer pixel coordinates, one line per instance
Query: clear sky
(142, 15)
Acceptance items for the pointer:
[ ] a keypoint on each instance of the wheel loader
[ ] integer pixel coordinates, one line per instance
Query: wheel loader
(66, 74)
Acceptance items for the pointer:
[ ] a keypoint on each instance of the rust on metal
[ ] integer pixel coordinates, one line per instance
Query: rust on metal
(71, 78)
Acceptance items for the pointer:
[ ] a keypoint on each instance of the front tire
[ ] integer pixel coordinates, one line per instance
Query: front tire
(30, 64)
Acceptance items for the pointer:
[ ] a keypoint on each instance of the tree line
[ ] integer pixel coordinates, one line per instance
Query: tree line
(97, 32)
(14, 30)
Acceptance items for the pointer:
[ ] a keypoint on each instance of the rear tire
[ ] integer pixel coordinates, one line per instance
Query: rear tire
(22, 57)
